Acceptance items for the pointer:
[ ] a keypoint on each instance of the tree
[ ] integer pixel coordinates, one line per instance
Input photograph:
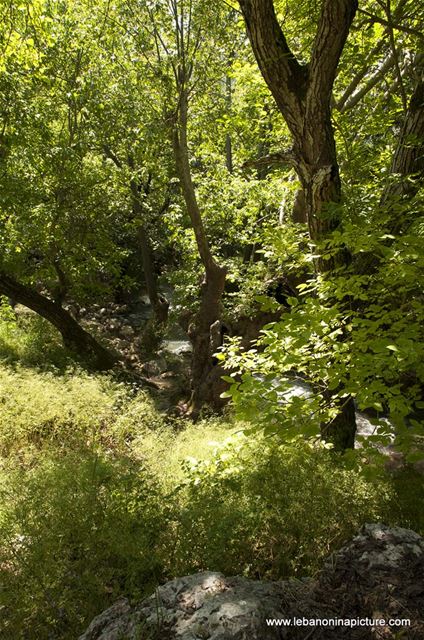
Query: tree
(303, 94)
(179, 28)
(74, 336)
(50, 184)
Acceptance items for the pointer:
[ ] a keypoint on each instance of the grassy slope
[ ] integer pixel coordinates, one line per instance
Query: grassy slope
(101, 496)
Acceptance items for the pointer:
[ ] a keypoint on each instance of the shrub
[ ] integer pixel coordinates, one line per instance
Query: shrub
(264, 509)
(31, 340)
(42, 407)
(101, 496)
(76, 532)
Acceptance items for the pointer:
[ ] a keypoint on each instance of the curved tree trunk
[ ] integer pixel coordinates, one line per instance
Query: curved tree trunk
(73, 335)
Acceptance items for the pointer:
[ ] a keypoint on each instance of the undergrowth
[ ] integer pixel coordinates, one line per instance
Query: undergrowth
(102, 496)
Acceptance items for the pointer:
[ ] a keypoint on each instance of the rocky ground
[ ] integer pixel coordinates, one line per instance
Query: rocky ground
(379, 574)
(121, 326)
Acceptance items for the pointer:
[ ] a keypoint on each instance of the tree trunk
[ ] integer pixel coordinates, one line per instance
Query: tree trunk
(299, 207)
(159, 303)
(303, 95)
(152, 334)
(73, 335)
(406, 175)
(209, 311)
(408, 160)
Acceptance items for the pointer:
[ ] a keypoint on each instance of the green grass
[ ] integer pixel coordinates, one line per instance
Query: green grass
(31, 341)
(101, 496)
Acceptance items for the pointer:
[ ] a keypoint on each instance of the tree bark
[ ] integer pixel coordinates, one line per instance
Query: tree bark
(209, 311)
(303, 95)
(408, 159)
(73, 335)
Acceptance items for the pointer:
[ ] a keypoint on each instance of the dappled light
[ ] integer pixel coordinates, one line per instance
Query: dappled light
(211, 312)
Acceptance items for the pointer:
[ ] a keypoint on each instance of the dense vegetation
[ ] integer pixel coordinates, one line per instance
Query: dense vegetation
(244, 176)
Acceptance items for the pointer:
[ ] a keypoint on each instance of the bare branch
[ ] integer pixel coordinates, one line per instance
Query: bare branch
(399, 27)
(351, 88)
(395, 54)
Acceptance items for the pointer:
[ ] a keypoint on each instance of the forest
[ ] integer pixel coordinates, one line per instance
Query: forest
(211, 292)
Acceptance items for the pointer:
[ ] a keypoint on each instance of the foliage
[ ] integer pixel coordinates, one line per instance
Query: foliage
(348, 333)
(62, 409)
(29, 340)
(77, 530)
(100, 496)
(268, 510)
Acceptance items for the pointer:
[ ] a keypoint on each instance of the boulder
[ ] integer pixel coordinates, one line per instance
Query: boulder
(204, 606)
(378, 574)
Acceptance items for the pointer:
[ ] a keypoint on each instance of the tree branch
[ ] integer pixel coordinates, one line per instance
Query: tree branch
(112, 156)
(284, 75)
(333, 29)
(360, 75)
(386, 65)
(395, 25)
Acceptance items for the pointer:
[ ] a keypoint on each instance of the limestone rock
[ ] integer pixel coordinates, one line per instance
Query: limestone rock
(110, 624)
(378, 574)
(204, 606)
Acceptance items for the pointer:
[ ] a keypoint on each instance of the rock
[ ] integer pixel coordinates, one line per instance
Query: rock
(167, 374)
(139, 318)
(113, 326)
(154, 367)
(378, 574)
(73, 310)
(111, 622)
(202, 606)
(127, 331)
(178, 347)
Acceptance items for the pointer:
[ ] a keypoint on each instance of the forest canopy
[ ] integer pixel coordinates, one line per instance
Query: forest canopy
(142, 145)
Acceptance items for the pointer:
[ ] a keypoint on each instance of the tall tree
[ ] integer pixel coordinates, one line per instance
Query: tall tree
(303, 95)
(43, 174)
